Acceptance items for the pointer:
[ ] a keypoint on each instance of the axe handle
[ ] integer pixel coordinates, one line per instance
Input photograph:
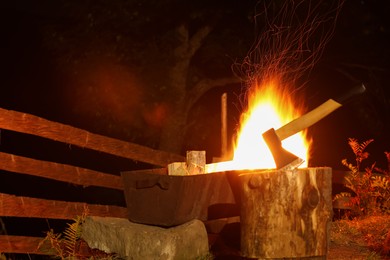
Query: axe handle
(307, 119)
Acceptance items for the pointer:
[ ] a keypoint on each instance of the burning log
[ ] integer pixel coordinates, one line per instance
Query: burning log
(286, 214)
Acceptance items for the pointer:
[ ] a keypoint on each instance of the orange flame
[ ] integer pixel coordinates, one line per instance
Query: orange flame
(268, 107)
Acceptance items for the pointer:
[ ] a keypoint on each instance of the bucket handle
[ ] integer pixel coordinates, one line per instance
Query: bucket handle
(151, 182)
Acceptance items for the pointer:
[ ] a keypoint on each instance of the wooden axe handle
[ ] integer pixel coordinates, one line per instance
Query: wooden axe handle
(307, 119)
(316, 114)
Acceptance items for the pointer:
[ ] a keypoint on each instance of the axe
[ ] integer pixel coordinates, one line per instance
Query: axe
(285, 160)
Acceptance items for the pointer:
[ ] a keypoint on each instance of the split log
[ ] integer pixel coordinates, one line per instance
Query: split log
(195, 164)
(177, 168)
(286, 214)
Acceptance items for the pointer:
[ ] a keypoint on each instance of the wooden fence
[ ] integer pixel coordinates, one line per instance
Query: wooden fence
(17, 206)
(12, 205)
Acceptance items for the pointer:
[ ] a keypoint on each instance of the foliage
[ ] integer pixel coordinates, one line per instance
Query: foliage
(65, 245)
(69, 245)
(371, 190)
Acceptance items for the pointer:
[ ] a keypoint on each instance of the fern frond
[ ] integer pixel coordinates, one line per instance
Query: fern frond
(354, 144)
(55, 244)
(342, 195)
(350, 166)
(387, 154)
(364, 144)
(371, 192)
(381, 182)
(67, 245)
(362, 154)
(72, 234)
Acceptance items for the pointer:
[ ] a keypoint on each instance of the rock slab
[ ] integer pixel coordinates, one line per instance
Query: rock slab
(137, 241)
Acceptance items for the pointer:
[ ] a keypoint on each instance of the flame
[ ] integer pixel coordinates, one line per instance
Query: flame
(268, 107)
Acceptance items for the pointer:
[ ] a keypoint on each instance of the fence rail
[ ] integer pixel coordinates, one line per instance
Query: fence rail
(30, 124)
(59, 172)
(30, 207)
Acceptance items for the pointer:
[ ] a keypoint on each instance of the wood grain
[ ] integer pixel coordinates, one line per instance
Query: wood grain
(59, 172)
(30, 124)
(18, 206)
(286, 214)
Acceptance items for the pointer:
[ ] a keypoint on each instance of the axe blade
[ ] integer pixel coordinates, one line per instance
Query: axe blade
(273, 137)
(284, 160)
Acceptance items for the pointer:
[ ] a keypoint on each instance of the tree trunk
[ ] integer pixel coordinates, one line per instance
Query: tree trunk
(173, 132)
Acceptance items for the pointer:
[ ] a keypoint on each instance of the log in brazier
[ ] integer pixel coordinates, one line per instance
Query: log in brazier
(286, 214)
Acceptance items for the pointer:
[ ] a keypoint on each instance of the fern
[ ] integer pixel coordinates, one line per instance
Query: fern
(66, 245)
(72, 235)
(381, 183)
(51, 245)
(371, 192)
(359, 150)
(383, 171)
(343, 195)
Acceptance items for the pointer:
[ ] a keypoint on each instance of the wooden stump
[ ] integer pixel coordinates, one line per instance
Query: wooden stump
(286, 214)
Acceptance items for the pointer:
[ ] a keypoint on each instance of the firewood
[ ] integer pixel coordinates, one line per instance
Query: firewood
(286, 214)
(195, 164)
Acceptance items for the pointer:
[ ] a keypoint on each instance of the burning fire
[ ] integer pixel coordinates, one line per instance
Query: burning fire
(288, 46)
(268, 107)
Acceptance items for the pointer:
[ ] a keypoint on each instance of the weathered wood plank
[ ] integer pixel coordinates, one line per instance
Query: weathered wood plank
(30, 124)
(21, 245)
(59, 172)
(17, 206)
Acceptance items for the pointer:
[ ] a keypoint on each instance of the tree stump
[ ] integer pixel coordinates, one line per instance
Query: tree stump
(286, 214)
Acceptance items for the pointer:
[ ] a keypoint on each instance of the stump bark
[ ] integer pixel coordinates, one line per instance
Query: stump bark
(286, 214)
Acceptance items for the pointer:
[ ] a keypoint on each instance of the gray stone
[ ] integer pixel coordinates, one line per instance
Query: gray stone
(136, 241)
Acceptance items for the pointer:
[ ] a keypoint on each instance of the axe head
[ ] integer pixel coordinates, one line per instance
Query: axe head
(284, 160)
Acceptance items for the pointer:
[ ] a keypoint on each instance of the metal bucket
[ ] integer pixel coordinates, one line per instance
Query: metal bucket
(166, 200)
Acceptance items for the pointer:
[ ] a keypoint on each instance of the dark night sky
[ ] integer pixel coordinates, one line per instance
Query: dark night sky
(358, 52)
(29, 83)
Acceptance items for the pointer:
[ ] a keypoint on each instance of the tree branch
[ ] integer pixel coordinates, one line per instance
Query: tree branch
(183, 54)
(188, 46)
(197, 40)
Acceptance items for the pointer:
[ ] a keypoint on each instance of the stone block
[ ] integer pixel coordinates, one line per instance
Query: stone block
(137, 241)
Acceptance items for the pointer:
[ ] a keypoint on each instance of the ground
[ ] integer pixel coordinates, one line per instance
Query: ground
(366, 238)
(341, 252)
